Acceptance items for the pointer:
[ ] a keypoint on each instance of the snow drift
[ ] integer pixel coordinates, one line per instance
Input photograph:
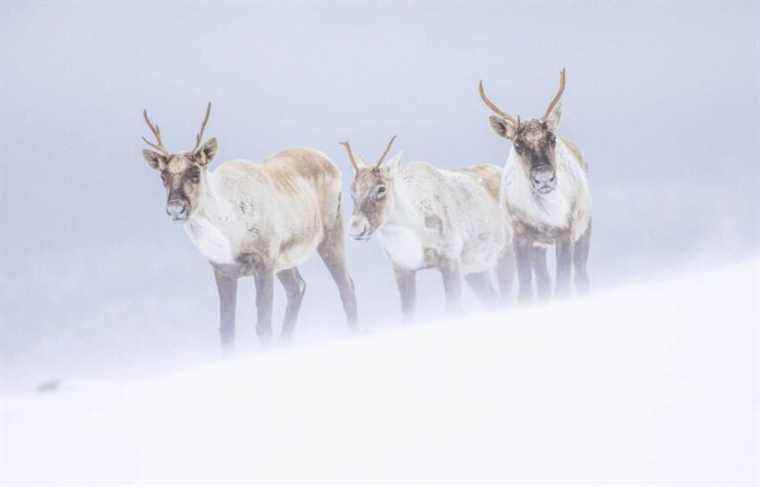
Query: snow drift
(649, 384)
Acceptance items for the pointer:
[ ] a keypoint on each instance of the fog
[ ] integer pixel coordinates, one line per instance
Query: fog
(96, 282)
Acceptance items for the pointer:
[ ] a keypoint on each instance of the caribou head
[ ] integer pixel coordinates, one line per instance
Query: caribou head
(534, 141)
(181, 172)
(371, 191)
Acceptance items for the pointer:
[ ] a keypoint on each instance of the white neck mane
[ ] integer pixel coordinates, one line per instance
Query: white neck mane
(206, 226)
(556, 209)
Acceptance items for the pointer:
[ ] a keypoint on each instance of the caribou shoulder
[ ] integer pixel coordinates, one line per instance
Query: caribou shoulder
(576, 152)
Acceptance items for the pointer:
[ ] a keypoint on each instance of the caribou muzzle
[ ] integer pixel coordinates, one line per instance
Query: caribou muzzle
(360, 228)
(543, 179)
(178, 210)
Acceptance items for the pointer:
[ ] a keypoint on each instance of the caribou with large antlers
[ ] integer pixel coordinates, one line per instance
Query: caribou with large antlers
(426, 217)
(257, 220)
(545, 192)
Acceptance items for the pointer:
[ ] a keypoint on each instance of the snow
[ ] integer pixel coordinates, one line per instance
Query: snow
(650, 384)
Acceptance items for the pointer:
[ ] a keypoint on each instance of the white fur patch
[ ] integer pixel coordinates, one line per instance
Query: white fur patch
(403, 246)
(209, 241)
(568, 205)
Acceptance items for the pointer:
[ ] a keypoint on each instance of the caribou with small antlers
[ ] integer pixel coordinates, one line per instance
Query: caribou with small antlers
(545, 192)
(257, 220)
(426, 217)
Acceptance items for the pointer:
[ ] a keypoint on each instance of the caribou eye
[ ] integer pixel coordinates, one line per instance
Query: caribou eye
(164, 177)
(194, 175)
(380, 192)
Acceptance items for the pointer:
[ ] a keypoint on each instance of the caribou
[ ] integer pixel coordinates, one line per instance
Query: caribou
(259, 220)
(425, 217)
(545, 193)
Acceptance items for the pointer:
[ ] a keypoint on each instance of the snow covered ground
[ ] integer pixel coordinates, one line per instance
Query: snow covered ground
(647, 385)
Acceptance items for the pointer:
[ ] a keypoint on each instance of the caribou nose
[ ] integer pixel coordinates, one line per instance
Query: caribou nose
(542, 176)
(176, 210)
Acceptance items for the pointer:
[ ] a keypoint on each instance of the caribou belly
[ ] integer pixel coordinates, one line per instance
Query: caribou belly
(403, 246)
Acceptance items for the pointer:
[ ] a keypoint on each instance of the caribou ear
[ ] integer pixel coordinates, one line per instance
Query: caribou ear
(361, 162)
(502, 127)
(154, 159)
(553, 119)
(395, 162)
(206, 152)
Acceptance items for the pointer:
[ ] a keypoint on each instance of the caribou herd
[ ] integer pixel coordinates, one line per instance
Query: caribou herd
(471, 224)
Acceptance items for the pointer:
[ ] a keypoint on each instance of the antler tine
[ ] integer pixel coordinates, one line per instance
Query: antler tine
(156, 133)
(199, 135)
(556, 98)
(492, 105)
(350, 155)
(387, 149)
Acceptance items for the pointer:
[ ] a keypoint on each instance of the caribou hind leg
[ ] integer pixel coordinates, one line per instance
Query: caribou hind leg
(481, 285)
(505, 274)
(333, 253)
(227, 288)
(406, 281)
(295, 287)
(580, 261)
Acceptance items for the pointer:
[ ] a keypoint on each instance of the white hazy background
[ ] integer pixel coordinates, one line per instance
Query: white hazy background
(97, 284)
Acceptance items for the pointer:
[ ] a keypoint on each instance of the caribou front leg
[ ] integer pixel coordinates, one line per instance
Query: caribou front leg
(524, 257)
(580, 261)
(295, 287)
(564, 253)
(227, 288)
(541, 271)
(264, 299)
(452, 284)
(406, 281)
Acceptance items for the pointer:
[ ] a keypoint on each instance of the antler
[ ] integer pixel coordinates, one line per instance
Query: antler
(350, 155)
(492, 105)
(387, 149)
(556, 98)
(156, 133)
(199, 135)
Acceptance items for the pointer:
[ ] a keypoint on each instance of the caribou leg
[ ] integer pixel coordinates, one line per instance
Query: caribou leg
(406, 281)
(264, 279)
(580, 261)
(505, 274)
(452, 284)
(333, 253)
(227, 289)
(564, 251)
(295, 287)
(523, 255)
(481, 285)
(543, 281)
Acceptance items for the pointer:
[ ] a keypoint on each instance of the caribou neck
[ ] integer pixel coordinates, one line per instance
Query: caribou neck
(208, 203)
